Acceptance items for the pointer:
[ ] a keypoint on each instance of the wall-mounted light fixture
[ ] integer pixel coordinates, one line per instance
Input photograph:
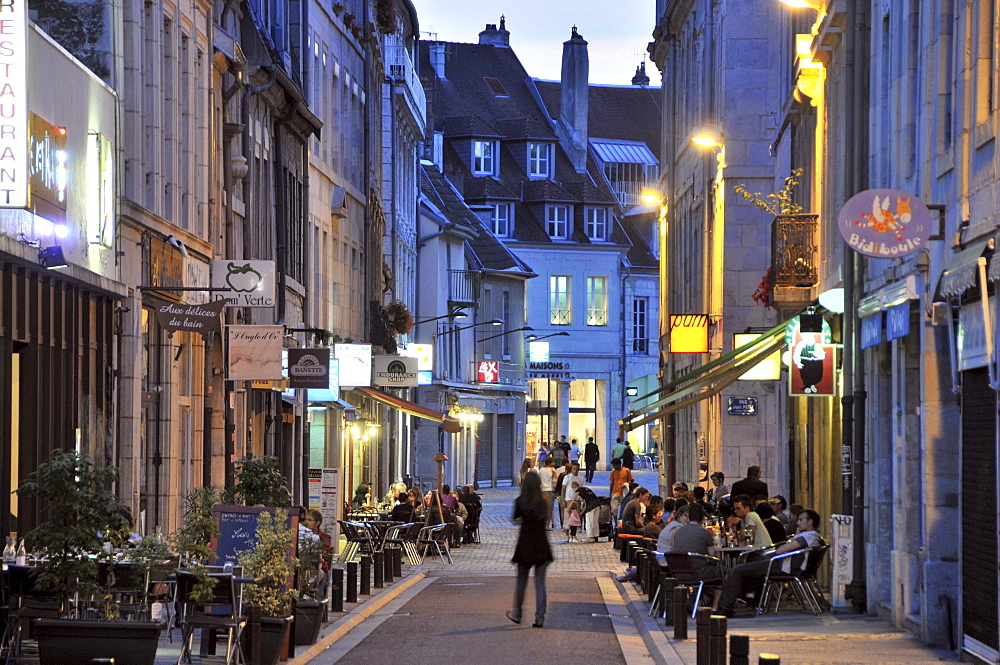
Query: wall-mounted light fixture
(455, 313)
(708, 136)
(521, 329)
(803, 4)
(52, 257)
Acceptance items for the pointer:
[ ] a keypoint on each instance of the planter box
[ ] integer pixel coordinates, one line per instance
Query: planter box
(273, 633)
(80, 641)
(308, 621)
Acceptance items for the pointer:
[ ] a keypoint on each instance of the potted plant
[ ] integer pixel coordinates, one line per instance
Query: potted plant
(271, 566)
(192, 541)
(259, 483)
(310, 606)
(84, 522)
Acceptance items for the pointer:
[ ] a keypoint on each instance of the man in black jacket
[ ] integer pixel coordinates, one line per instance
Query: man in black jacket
(591, 455)
(752, 485)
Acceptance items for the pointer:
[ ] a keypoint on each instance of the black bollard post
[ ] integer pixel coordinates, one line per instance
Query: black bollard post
(768, 659)
(703, 635)
(679, 613)
(655, 579)
(718, 630)
(378, 562)
(387, 565)
(667, 600)
(337, 590)
(739, 650)
(397, 561)
(352, 581)
(366, 576)
(626, 548)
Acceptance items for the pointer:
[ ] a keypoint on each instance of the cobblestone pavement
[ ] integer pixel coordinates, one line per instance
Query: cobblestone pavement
(499, 534)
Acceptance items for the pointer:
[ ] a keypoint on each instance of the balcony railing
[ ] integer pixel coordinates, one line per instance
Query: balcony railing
(794, 250)
(463, 287)
(399, 67)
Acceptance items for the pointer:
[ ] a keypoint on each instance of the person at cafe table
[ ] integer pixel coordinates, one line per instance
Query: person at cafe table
(743, 508)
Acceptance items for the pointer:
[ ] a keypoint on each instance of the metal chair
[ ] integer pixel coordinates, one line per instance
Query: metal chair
(223, 611)
(682, 567)
(23, 603)
(471, 534)
(776, 580)
(405, 537)
(437, 536)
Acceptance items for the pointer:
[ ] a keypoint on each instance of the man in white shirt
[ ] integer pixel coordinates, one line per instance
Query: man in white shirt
(547, 474)
(743, 508)
(749, 577)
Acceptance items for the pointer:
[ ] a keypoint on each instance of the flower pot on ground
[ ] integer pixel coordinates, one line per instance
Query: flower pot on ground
(308, 620)
(84, 521)
(271, 566)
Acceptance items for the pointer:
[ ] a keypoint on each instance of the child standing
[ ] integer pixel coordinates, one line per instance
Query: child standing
(573, 520)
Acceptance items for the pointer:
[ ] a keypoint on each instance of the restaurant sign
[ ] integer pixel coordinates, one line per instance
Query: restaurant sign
(14, 168)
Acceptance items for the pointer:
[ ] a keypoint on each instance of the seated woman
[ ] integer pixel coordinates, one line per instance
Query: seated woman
(403, 510)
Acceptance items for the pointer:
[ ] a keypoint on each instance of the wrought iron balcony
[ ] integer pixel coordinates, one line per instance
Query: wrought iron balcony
(463, 287)
(794, 250)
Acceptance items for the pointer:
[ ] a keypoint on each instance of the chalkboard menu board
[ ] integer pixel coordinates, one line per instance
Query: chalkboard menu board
(238, 531)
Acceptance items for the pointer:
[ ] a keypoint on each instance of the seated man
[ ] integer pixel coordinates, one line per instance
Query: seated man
(743, 508)
(652, 524)
(749, 577)
(693, 537)
(634, 512)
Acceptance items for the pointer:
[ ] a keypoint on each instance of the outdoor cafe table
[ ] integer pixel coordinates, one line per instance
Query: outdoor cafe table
(730, 555)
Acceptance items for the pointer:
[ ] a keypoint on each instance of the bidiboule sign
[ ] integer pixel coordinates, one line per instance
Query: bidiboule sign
(885, 223)
(14, 171)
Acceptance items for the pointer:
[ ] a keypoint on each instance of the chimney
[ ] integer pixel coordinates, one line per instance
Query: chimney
(435, 51)
(497, 37)
(575, 100)
(640, 78)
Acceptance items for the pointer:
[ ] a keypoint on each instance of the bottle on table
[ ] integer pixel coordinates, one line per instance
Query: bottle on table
(9, 553)
(21, 557)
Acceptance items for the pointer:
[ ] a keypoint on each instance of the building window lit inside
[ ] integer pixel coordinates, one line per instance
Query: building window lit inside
(640, 325)
(538, 160)
(560, 300)
(597, 301)
(484, 158)
(597, 224)
(557, 222)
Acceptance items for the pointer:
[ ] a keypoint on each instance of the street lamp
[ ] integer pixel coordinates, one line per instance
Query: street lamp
(507, 333)
(708, 136)
(491, 322)
(457, 313)
(804, 4)
(535, 338)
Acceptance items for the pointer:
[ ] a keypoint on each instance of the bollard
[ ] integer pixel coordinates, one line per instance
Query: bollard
(352, 581)
(666, 599)
(337, 591)
(387, 563)
(703, 636)
(655, 580)
(679, 613)
(378, 563)
(739, 650)
(366, 576)
(397, 561)
(717, 651)
(768, 659)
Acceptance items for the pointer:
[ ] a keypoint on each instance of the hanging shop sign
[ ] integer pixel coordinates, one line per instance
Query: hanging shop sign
(488, 371)
(689, 333)
(768, 369)
(48, 160)
(538, 352)
(14, 168)
(897, 321)
(197, 318)
(309, 368)
(871, 331)
(972, 349)
(254, 353)
(355, 364)
(812, 367)
(424, 353)
(245, 283)
(394, 371)
(885, 223)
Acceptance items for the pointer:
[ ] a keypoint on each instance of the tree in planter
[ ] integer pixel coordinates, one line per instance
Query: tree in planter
(83, 515)
(259, 482)
(191, 542)
(271, 566)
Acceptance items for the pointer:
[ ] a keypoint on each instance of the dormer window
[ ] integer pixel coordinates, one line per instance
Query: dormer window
(596, 224)
(484, 157)
(501, 220)
(539, 160)
(557, 221)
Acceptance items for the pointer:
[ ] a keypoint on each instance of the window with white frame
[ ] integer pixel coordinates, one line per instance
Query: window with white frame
(597, 301)
(596, 223)
(640, 325)
(560, 300)
(484, 157)
(557, 221)
(500, 219)
(539, 160)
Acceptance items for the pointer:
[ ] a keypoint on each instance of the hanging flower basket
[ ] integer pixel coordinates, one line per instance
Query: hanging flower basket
(385, 17)
(398, 317)
(762, 296)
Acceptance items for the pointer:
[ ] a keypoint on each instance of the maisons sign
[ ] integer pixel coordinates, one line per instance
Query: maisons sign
(549, 370)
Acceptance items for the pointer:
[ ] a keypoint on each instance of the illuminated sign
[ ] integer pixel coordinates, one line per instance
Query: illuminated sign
(14, 104)
(424, 353)
(538, 352)
(247, 283)
(812, 367)
(47, 169)
(355, 364)
(488, 371)
(689, 333)
(768, 369)
(394, 371)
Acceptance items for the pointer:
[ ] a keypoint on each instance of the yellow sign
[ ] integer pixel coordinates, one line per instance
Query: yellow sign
(768, 369)
(689, 333)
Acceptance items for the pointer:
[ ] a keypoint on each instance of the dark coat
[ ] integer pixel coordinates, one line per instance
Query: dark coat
(591, 454)
(532, 544)
(749, 486)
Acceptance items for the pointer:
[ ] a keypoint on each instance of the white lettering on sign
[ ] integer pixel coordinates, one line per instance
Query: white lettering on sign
(13, 104)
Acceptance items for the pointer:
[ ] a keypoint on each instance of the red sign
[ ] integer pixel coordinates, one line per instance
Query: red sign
(489, 371)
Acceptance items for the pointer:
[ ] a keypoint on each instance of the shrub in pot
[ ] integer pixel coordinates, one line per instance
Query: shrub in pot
(82, 516)
(259, 482)
(310, 607)
(271, 566)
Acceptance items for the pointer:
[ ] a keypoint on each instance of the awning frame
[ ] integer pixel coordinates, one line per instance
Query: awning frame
(411, 408)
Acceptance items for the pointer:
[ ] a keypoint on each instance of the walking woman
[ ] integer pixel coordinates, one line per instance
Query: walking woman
(532, 550)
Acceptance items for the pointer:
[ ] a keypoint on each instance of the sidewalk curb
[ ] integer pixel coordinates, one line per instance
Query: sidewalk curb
(661, 650)
(351, 621)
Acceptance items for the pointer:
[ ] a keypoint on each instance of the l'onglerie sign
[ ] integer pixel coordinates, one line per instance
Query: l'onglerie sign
(885, 223)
